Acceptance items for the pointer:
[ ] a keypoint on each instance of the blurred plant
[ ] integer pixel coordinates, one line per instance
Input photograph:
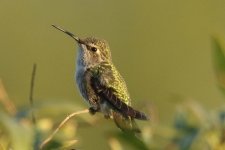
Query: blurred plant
(194, 127)
(12, 126)
(20, 130)
(219, 63)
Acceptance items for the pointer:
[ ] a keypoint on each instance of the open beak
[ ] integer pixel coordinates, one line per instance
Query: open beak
(77, 39)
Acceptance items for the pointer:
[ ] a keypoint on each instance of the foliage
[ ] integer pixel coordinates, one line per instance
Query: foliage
(194, 127)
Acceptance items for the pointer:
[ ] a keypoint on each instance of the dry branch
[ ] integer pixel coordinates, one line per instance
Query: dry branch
(61, 125)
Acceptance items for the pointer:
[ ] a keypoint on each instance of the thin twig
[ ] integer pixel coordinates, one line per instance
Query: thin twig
(61, 125)
(32, 91)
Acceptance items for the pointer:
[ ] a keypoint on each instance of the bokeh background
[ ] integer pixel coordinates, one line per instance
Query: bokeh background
(162, 48)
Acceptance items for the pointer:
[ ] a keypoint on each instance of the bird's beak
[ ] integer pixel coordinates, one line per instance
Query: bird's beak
(77, 39)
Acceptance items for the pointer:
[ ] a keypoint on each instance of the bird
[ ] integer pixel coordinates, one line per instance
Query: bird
(101, 84)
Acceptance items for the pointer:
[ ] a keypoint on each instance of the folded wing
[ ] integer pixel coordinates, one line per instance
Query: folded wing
(109, 94)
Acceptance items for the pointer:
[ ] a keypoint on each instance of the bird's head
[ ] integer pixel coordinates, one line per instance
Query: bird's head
(91, 51)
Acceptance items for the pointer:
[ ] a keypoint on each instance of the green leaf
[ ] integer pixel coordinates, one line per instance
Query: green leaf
(20, 136)
(219, 63)
(135, 142)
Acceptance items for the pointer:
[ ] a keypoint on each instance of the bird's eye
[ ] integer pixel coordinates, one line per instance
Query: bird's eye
(94, 49)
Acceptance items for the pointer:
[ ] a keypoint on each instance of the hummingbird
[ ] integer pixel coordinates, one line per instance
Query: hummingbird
(101, 85)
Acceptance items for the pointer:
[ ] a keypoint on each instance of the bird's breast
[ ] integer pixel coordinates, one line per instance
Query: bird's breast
(80, 81)
(83, 80)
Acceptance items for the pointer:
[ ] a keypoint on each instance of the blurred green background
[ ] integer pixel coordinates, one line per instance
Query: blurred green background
(162, 49)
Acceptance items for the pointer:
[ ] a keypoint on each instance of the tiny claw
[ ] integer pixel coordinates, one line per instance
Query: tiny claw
(92, 111)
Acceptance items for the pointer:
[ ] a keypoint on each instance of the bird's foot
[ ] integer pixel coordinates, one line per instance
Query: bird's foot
(92, 110)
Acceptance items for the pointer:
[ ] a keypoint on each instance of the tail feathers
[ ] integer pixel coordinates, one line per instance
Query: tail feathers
(127, 125)
(136, 114)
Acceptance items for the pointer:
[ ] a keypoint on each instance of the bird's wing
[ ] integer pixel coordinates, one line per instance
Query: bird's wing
(103, 85)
